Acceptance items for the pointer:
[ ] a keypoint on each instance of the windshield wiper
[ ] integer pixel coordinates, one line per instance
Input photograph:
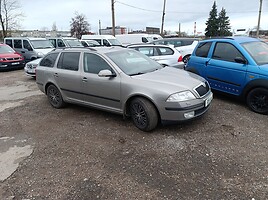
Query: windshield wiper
(139, 73)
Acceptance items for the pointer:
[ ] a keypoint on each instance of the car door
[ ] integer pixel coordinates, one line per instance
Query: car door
(68, 76)
(223, 72)
(100, 92)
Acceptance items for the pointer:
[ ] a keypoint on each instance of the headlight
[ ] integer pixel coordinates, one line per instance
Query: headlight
(181, 96)
(40, 54)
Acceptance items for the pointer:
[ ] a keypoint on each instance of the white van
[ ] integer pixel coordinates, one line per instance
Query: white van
(127, 39)
(103, 40)
(30, 48)
(61, 42)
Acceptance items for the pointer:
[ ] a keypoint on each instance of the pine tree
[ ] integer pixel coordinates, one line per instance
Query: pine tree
(224, 24)
(212, 22)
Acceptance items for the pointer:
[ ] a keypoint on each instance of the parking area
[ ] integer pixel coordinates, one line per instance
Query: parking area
(81, 153)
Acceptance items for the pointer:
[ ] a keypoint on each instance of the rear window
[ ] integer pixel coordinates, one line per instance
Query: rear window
(203, 49)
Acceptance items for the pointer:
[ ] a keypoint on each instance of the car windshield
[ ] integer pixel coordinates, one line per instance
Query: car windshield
(258, 51)
(6, 49)
(133, 63)
(41, 44)
(74, 43)
(114, 42)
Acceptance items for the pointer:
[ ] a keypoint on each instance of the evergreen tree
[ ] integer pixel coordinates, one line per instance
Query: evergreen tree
(224, 24)
(212, 22)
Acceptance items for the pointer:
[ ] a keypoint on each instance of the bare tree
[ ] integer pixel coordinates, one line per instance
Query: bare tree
(79, 25)
(54, 27)
(9, 15)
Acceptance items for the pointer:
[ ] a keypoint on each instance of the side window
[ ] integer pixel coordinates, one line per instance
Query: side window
(69, 61)
(99, 41)
(159, 42)
(27, 45)
(60, 43)
(165, 51)
(94, 63)
(148, 51)
(144, 39)
(18, 44)
(9, 42)
(53, 42)
(203, 49)
(84, 44)
(106, 43)
(226, 51)
(49, 60)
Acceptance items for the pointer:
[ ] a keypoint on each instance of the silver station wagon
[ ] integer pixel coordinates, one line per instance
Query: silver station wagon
(123, 81)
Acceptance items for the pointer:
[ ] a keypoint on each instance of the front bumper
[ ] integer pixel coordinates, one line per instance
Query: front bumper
(11, 65)
(29, 70)
(174, 112)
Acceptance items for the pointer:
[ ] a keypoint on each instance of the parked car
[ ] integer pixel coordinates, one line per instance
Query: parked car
(125, 82)
(235, 65)
(165, 55)
(184, 45)
(31, 66)
(89, 43)
(103, 40)
(128, 39)
(10, 59)
(61, 42)
(30, 48)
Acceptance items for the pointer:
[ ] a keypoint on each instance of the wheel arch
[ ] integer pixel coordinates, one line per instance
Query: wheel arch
(259, 83)
(47, 85)
(127, 104)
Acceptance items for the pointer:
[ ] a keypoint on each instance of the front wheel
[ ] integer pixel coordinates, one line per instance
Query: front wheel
(54, 97)
(143, 114)
(257, 100)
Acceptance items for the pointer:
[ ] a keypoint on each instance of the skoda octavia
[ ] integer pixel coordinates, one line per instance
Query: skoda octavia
(123, 81)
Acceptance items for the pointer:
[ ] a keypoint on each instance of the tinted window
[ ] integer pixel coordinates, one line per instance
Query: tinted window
(226, 51)
(9, 42)
(60, 43)
(148, 51)
(165, 51)
(187, 42)
(94, 63)
(53, 42)
(18, 44)
(27, 45)
(203, 49)
(106, 43)
(49, 60)
(144, 39)
(69, 61)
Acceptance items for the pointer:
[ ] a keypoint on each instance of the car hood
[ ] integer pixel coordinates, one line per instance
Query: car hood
(36, 61)
(10, 55)
(44, 51)
(171, 79)
(264, 68)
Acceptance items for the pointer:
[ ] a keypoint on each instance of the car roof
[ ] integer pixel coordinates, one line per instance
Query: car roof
(238, 39)
(94, 49)
(148, 45)
(176, 38)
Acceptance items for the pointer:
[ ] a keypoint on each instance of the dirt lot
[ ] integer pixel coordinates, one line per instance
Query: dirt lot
(80, 153)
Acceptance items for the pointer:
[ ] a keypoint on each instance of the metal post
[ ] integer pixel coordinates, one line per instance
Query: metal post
(259, 20)
(163, 18)
(113, 19)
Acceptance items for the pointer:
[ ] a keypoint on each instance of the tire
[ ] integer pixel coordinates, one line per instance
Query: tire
(54, 97)
(257, 100)
(143, 114)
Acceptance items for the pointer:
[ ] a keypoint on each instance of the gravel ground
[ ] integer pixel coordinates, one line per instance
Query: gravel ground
(80, 153)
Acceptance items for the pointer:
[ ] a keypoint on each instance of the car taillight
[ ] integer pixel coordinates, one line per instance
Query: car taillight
(180, 59)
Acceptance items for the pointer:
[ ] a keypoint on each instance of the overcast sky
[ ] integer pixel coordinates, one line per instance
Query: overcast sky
(138, 14)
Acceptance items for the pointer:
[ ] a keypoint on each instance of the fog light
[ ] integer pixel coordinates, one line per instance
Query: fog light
(189, 115)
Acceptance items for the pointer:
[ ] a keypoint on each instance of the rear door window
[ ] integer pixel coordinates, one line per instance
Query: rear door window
(18, 44)
(49, 60)
(165, 51)
(203, 49)
(69, 61)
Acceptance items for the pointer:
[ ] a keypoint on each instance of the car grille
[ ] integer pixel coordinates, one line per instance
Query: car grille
(202, 89)
(13, 58)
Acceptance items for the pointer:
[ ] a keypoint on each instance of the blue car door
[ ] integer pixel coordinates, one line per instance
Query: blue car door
(225, 71)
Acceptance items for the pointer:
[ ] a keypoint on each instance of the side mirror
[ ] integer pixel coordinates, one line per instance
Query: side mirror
(240, 60)
(106, 73)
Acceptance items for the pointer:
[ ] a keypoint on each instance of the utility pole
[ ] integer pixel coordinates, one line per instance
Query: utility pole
(163, 18)
(259, 20)
(113, 19)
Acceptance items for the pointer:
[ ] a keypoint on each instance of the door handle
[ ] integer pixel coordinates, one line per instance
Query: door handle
(56, 75)
(23, 52)
(84, 79)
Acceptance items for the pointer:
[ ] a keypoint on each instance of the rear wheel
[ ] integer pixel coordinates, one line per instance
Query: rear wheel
(143, 114)
(257, 100)
(54, 97)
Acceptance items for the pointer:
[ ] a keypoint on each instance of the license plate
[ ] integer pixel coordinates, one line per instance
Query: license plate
(15, 63)
(208, 100)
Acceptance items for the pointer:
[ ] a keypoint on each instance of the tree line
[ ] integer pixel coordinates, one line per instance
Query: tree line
(217, 24)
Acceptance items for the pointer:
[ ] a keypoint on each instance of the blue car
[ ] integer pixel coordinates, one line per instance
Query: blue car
(234, 65)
